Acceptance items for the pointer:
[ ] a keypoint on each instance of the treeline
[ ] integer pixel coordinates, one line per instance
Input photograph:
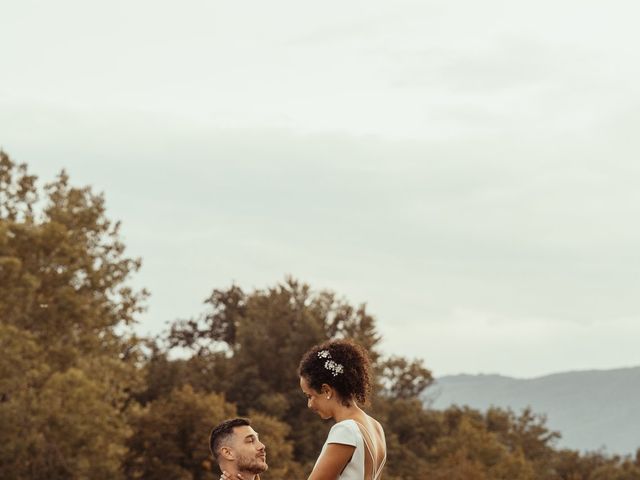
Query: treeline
(81, 397)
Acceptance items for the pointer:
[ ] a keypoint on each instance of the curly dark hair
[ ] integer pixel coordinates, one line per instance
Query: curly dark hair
(353, 382)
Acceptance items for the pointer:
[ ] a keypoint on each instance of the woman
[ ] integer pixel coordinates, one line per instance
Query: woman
(335, 377)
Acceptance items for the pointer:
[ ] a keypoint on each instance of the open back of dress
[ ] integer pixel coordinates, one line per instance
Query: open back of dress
(370, 452)
(373, 450)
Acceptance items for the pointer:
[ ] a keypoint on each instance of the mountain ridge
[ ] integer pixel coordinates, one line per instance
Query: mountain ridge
(592, 409)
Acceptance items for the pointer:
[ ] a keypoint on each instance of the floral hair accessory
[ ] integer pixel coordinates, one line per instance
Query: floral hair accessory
(334, 367)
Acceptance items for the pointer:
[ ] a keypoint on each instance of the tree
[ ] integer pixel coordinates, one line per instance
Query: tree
(170, 437)
(65, 299)
(404, 379)
(411, 431)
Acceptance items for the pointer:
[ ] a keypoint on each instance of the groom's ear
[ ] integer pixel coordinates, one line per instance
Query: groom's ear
(227, 453)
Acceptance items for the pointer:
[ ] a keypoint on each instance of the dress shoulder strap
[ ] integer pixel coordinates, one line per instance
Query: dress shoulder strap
(369, 443)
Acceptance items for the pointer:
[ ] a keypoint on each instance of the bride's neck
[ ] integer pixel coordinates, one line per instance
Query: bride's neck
(344, 412)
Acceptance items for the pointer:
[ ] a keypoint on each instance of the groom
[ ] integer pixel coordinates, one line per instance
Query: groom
(237, 449)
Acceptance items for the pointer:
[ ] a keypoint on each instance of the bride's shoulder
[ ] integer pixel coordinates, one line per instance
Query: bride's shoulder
(344, 425)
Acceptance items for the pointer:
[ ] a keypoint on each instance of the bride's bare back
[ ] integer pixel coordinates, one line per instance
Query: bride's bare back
(375, 446)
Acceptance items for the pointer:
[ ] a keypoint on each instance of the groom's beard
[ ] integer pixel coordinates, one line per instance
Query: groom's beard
(253, 465)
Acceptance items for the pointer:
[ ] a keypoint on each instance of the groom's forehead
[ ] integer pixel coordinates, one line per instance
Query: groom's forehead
(244, 431)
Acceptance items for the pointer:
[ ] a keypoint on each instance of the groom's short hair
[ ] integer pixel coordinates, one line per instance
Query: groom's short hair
(222, 432)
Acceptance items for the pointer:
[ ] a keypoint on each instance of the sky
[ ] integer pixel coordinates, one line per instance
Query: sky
(467, 169)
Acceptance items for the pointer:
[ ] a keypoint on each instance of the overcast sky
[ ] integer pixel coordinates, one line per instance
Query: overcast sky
(468, 169)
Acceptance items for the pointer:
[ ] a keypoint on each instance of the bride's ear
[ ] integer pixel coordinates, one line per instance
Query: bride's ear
(326, 390)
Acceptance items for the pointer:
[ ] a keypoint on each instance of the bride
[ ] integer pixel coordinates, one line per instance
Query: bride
(335, 377)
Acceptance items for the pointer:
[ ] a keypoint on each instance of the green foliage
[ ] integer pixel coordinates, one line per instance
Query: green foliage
(62, 269)
(67, 373)
(56, 425)
(274, 434)
(402, 379)
(171, 436)
(172, 432)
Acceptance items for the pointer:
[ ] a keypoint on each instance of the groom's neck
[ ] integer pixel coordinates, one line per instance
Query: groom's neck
(233, 471)
(249, 476)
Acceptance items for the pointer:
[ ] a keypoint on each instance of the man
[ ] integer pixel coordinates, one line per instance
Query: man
(237, 449)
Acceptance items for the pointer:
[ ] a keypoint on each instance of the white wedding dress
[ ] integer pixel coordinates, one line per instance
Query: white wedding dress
(350, 432)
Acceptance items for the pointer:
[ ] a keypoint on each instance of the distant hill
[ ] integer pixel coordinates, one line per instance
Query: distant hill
(591, 409)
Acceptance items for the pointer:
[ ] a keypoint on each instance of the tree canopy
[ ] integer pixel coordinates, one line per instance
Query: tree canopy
(68, 368)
